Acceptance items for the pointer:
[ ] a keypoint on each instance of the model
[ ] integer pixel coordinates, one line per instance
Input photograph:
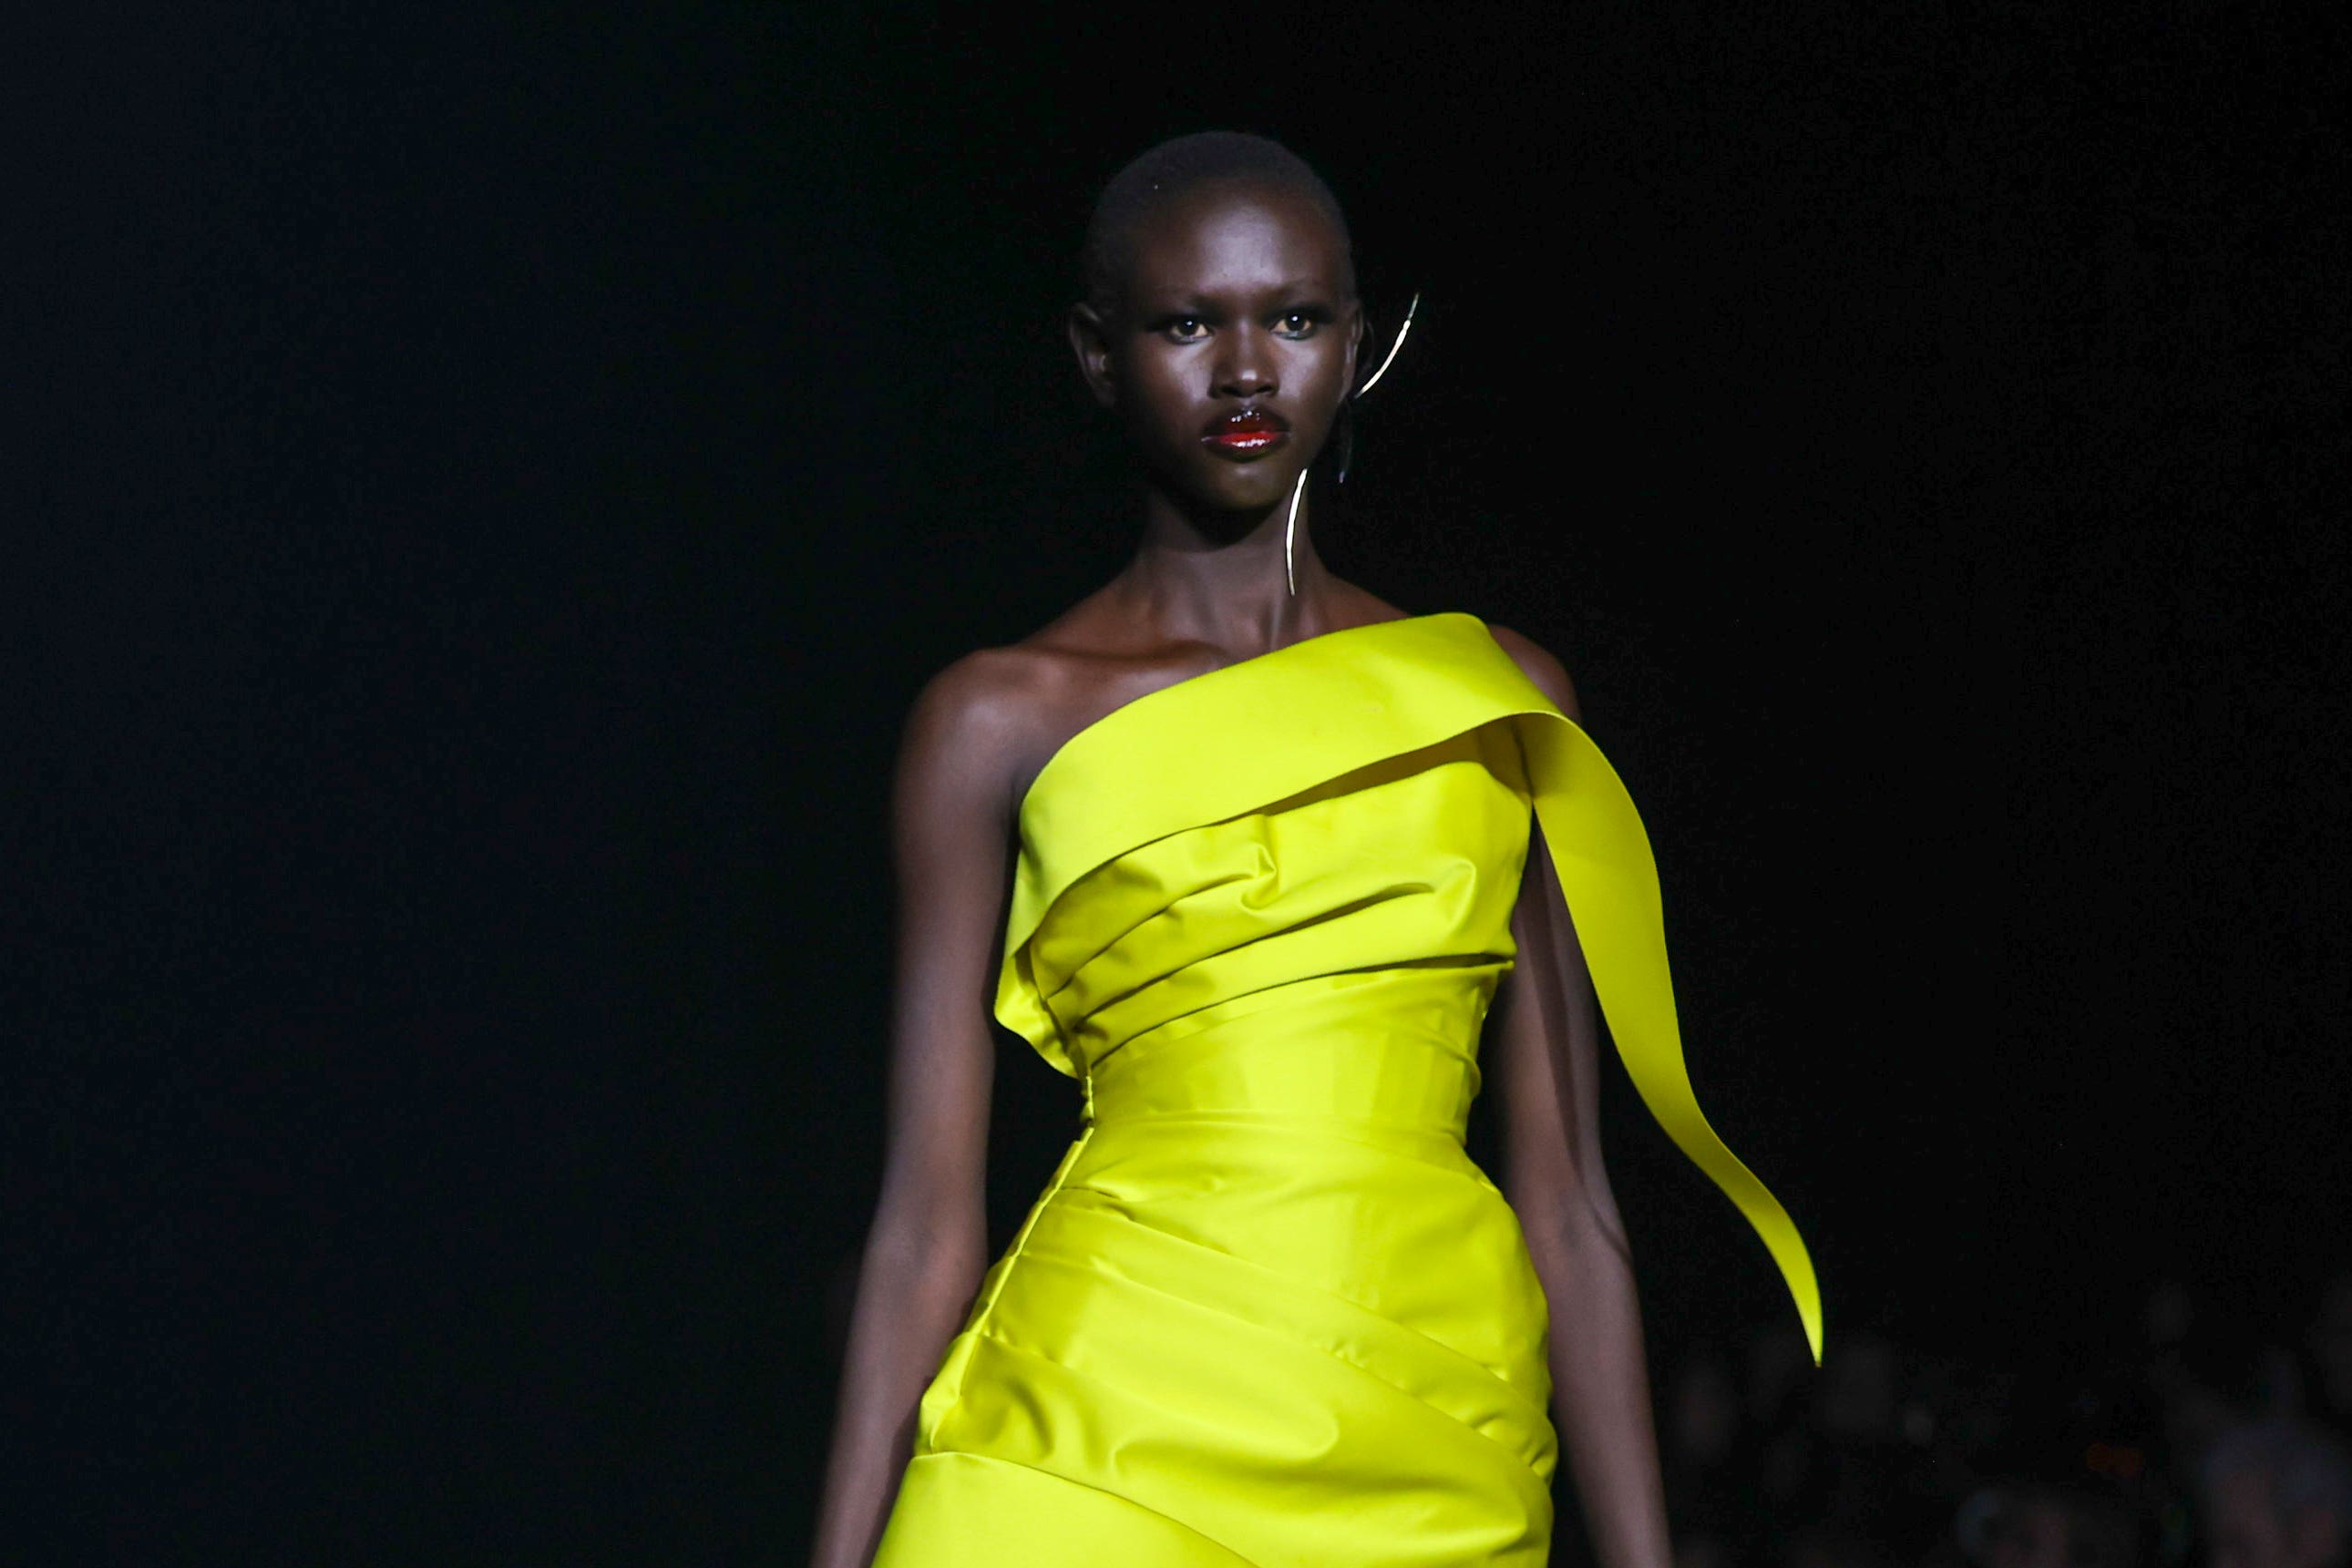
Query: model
(1270, 851)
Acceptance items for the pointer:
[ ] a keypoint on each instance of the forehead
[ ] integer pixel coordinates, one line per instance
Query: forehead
(1236, 235)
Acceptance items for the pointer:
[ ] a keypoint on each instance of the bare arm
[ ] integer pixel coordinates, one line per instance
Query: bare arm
(1546, 1043)
(925, 1253)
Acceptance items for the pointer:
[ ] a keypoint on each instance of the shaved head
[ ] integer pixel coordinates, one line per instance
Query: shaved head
(1174, 168)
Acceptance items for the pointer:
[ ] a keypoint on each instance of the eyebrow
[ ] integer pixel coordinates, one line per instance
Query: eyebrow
(1288, 285)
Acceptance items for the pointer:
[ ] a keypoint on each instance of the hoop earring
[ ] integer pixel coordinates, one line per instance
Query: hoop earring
(1346, 431)
(1389, 358)
(1290, 531)
(1346, 435)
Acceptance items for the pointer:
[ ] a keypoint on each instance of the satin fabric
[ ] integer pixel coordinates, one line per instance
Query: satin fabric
(1267, 1310)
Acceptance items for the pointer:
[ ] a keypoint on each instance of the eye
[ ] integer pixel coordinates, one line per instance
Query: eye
(1297, 323)
(1185, 329)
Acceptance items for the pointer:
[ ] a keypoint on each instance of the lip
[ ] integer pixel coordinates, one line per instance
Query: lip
(1246, 434)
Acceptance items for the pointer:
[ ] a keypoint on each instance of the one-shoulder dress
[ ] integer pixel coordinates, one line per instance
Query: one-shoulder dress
(1268, 1311)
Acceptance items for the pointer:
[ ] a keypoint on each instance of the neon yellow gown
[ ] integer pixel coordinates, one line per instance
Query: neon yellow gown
(1268, 1311)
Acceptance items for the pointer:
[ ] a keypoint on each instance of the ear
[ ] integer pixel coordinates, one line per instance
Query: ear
(1090, 341)
(1357, 327)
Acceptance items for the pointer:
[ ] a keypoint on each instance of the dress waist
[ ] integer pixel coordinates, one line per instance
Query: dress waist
(1395, 1050)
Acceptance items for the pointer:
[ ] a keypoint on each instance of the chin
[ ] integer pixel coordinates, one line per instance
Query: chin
(1247, 490)
(1203, 484)
(1256, 497)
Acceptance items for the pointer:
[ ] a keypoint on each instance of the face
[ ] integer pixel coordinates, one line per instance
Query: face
(1230, 347)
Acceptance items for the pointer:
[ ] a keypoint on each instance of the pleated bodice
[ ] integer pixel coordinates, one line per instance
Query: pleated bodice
(1290, 960)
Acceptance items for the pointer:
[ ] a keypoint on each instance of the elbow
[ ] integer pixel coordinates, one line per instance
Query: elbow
(927, 1251)
(1572, 1233)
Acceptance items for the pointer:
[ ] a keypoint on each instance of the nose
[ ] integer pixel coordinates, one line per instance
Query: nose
(1244, 363)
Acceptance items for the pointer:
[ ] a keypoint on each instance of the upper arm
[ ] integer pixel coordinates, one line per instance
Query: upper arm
(950, 831)
(1546, 1037)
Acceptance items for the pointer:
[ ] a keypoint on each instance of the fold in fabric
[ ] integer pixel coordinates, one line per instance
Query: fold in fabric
(1312, 711)
(1268, 1310)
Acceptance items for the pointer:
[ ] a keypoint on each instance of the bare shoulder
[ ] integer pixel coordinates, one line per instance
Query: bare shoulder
(975, 723)
(1537, 662)
(1009, 710)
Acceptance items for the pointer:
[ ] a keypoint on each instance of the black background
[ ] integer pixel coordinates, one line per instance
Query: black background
(490, 483)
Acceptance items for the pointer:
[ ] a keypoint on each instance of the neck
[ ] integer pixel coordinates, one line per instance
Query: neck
(1219, 580)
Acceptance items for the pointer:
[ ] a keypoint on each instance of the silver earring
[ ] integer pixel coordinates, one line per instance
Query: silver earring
(1290, 532)
(1290, 526)
(1389, 358)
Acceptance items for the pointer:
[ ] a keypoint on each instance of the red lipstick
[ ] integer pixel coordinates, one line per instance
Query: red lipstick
(1245, 434)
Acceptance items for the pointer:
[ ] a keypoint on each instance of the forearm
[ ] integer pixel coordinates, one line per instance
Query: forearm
(1601, 1387)
(912, 1293)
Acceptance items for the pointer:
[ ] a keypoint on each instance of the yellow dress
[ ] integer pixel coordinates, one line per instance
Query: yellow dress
(1268, 1311)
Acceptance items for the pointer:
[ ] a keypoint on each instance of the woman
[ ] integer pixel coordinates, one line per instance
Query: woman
(1264, 837)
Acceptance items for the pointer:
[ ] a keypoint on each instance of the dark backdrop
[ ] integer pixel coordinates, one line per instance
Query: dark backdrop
(490, 485)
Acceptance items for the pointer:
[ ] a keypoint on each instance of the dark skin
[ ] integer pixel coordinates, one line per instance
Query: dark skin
(1236, 295)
